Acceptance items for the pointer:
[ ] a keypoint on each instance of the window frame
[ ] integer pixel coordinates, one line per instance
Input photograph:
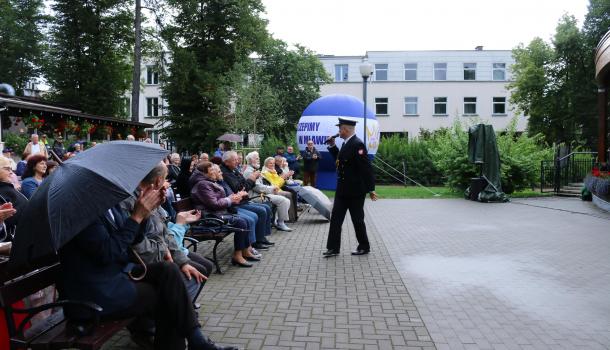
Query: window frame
(405, 103)
(469, 103)
(345, 74)
(472, 70)
(387, 106)
(493, 70)
(152, 76)
(434, 70)
(405, 69)
(150, 107)
(434, 103)
(494, 103)
(387, 71)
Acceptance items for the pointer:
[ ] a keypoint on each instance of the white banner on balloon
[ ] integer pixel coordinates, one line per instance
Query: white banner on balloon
(319, 127)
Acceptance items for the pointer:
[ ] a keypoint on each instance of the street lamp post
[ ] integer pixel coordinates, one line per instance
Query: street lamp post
(366, 70)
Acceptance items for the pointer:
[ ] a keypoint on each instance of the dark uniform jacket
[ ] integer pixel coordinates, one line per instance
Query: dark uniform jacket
(354, 172)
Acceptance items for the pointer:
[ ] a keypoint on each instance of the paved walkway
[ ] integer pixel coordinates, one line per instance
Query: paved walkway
(444, 274)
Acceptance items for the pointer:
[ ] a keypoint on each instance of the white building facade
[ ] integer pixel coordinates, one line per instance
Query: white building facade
(413, 90)
(151, 104)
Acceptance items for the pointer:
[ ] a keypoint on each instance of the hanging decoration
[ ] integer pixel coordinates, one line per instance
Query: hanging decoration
(34, 122)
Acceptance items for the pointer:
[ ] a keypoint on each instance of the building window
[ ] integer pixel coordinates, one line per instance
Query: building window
(381, 105)
(126, 107)
(152, 76)
(341, 72)
(470, 105)
(499, 71)
(499, 105)
(381, 72)
(387, 135)
(440, 105)
(410, 105)
(152, 107)
(470, 71)
(440, 71)
(410, 71)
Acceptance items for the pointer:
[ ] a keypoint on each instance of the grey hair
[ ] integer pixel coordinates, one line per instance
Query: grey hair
(175, 156)
(269, 159)
(251, 156)
(228, 155)
(155, 173)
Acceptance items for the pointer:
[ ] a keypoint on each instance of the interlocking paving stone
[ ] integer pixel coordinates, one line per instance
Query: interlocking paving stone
(295, 299)
(530, 274)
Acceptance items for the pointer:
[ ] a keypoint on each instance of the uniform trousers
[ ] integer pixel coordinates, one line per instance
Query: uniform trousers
(341, 205)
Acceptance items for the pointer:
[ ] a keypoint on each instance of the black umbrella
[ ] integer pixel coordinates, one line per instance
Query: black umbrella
(79, 191)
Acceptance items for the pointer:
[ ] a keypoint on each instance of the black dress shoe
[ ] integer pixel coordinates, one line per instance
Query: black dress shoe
(252, 258)
(259, 246)
(266, 242)
(360, 252)
(240, 264)
(330, 252)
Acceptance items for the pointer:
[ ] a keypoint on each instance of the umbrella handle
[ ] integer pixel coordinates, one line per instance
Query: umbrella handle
(138, 278)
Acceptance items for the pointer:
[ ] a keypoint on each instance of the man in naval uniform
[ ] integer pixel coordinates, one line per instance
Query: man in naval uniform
(354, 180)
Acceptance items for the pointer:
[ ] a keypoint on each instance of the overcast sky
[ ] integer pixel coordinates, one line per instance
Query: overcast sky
(352, 27)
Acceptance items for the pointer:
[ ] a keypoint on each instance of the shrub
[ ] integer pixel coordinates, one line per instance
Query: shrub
(16, 142)
(520, 157)
(414, 153)
(272, 142)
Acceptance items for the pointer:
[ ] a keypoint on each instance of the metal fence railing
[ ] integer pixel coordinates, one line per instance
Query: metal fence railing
(572, 168)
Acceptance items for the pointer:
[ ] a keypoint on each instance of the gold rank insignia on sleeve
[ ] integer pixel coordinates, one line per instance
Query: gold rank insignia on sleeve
(337, 163)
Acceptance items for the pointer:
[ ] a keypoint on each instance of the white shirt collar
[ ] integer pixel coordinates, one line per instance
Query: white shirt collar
(347, 139)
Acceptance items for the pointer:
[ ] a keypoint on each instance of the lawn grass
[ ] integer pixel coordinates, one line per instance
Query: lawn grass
(416, 192)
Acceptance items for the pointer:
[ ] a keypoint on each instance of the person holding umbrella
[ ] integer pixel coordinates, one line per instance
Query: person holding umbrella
(93, 243)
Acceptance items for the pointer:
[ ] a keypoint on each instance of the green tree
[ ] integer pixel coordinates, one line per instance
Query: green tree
(295, 75)
(553, 85)
(88, 61)
(207, 40)
(21, 41)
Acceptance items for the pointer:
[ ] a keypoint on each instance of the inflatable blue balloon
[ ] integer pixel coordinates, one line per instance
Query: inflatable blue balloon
(318, 122)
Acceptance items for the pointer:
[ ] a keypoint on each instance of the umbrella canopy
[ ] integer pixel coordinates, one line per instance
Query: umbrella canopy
(79, 191)
(230, 138)
(317, 199)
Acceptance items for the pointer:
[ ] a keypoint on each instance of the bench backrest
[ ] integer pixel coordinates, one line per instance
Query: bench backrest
(28, 284)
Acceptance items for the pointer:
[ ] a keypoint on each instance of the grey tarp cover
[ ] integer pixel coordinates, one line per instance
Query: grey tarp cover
(79, 191)
(317, 199)
(482, 147)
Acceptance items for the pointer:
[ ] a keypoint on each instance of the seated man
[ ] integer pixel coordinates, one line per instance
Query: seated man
(93, 266)
(237, 182)
(159, 244)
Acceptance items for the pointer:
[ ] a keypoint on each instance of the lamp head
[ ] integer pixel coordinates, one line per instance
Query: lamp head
(366, 69)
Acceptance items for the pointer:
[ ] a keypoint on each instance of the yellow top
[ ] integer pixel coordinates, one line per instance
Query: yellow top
(273, 178)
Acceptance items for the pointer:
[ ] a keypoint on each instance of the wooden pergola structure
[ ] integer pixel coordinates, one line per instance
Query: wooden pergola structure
(602, 75)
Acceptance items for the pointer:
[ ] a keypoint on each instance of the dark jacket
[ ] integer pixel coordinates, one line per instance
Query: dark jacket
(93, 264)
(354, 172)
(293, 163)
(309, 163)
(173, 171)
(59, 149)
(208, 195)
(8, 193)
(236, 180)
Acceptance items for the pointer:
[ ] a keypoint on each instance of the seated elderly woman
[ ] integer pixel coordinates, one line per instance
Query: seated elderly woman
(8, 194)
(208, 195)
(283, 164)
(35, 172)
(282, 202)
(270, 174)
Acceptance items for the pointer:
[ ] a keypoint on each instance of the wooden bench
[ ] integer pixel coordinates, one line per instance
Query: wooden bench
(209, 228)
(54, 332)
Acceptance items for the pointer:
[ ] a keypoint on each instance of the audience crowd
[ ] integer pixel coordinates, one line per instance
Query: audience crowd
(251, 198)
